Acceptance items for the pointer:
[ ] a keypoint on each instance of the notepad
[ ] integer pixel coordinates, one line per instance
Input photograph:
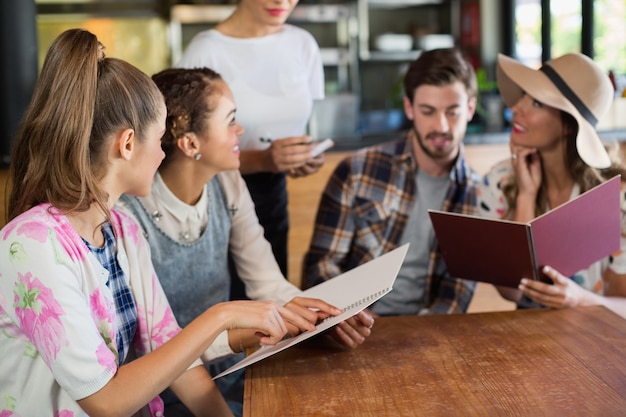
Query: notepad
(568, 238)
(351, 291)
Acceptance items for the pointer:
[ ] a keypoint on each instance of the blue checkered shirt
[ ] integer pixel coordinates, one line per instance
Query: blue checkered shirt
(118, 283)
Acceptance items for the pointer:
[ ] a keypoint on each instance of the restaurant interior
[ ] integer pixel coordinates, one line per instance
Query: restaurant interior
(366, 47)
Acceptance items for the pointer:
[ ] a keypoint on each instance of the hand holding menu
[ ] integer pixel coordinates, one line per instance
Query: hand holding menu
(568, 238)
(351, 291)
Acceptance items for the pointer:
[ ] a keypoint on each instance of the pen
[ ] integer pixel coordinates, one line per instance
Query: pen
(263, 139)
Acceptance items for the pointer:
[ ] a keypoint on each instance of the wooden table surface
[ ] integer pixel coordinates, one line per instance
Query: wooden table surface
(568, 362)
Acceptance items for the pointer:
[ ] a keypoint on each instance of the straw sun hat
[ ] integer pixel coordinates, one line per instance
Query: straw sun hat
(572, 83)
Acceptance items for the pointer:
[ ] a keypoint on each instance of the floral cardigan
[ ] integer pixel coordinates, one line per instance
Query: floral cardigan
(57, 315)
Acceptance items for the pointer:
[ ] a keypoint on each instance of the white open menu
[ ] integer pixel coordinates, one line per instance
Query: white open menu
(351, 291)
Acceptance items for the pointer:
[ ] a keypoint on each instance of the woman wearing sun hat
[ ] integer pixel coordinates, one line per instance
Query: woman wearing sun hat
(556, 154)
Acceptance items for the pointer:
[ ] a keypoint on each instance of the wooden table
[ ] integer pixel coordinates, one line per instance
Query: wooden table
(517, 363)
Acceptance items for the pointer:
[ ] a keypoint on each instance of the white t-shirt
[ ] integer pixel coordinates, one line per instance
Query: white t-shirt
(274, 79)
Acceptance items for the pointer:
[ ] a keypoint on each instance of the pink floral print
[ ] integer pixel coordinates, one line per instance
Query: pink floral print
(159, 332)
(40, 257)
(8, 411)
(40, 316)
(102, 311)
(165, 329)
(69, 247)
(125, 227)
(34, 230)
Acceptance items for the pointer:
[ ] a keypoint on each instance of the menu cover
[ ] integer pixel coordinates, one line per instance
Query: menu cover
(352, 291)
(568, 238)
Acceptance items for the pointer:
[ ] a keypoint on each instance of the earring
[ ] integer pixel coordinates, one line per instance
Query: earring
(197, 156)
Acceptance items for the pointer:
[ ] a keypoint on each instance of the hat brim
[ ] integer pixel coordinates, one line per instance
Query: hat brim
(514, 79)
(590, 146)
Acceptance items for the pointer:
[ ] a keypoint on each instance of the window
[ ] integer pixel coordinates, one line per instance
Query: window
(528, 32)
(609, 41)
(570, 29)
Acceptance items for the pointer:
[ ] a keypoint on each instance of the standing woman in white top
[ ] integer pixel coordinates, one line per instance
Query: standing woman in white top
(275, 73)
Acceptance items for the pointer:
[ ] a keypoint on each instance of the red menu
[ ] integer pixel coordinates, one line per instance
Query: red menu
(568, 238)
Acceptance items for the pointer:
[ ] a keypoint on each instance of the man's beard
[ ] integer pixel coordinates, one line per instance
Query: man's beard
(434, 155)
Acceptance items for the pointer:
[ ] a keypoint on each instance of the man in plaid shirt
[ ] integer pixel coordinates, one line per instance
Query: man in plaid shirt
(378, 198)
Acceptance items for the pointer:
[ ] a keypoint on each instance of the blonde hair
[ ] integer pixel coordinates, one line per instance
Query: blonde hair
(81, 100)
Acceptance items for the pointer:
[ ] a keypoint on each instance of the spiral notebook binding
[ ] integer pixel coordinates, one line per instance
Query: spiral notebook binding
(366, 300)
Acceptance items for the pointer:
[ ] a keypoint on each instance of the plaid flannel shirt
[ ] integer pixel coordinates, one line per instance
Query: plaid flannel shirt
(365, 208)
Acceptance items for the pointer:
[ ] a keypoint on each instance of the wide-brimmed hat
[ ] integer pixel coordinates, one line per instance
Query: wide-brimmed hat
(572, 83)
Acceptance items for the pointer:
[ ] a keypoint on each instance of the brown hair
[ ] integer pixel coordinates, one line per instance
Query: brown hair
(440, 67)
(188, 110)
(584, 175)
(80, 101)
